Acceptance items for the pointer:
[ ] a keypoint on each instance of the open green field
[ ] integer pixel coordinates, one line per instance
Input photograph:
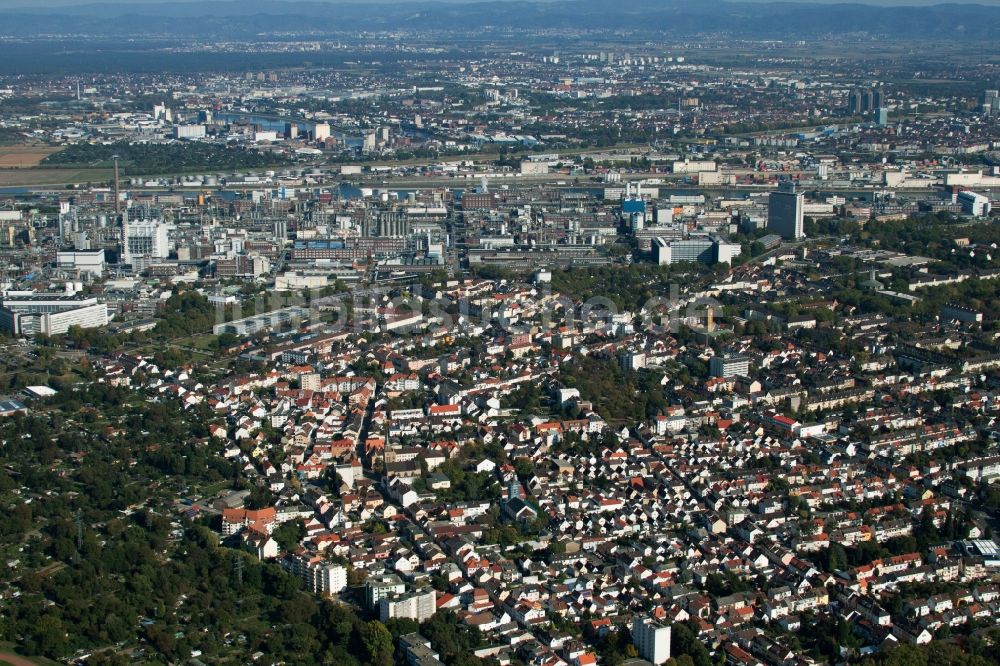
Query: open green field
(36, 176)
(23, 156)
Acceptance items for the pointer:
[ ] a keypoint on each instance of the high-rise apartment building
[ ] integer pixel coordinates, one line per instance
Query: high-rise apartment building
(785, 212)
(730, 366)
(652, 640)
(419, 605)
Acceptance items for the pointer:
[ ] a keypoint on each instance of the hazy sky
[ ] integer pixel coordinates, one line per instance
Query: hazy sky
(5, 4)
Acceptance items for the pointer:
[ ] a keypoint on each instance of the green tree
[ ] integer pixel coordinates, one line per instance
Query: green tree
(378, 643)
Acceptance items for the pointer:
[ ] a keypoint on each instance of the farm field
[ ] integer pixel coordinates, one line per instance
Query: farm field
(24, 156)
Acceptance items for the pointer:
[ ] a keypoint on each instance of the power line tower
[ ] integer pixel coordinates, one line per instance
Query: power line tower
(79, 530)
(238, 569)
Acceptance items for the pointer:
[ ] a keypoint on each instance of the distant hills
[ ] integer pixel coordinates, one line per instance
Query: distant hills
(244, 19)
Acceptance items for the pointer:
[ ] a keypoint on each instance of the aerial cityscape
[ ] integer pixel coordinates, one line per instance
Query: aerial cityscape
(521, 333)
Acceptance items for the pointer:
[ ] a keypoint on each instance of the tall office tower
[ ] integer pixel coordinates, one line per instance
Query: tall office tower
(784, 212)
(867, 101)
(854, 101)
(991, 102)
(652, 640)
(878, 98)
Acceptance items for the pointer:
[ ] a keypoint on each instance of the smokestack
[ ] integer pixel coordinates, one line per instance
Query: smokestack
(117, 194)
